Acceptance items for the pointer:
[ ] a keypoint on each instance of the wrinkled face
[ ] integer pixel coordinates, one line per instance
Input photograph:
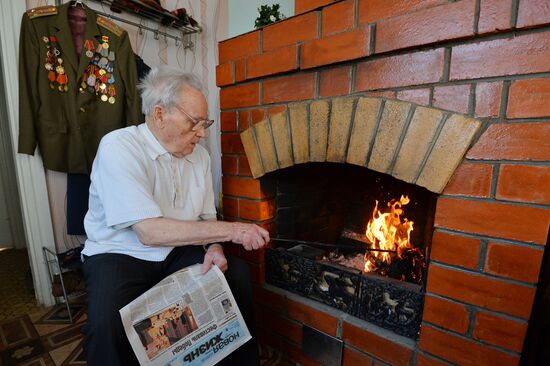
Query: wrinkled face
(174, 129)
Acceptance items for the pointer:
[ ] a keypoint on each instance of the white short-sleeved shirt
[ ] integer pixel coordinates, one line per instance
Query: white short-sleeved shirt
(134, 178)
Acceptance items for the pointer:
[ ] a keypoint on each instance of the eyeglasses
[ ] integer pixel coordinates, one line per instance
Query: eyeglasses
(198, 123)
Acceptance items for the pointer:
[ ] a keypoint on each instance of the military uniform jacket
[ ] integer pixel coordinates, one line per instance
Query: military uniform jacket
(68, 125)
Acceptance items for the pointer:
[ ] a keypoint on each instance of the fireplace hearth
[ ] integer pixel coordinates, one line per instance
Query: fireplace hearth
(391, 304)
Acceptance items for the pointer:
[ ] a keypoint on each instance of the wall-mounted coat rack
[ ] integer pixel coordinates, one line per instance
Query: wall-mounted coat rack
(185, 25)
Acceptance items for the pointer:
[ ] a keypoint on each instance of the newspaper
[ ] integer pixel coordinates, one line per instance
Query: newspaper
(189, 318)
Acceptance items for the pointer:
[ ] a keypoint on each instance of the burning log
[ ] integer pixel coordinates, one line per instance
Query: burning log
(388, 250)
(385, 247)
(409, 267)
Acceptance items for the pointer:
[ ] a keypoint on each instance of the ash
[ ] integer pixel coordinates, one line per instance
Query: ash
(356, 261)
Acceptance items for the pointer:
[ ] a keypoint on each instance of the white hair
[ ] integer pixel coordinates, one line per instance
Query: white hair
(162, 86)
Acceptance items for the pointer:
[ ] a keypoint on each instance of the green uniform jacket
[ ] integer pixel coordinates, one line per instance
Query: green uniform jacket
(68, 126)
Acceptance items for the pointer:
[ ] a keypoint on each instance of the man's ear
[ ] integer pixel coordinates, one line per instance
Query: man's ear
(158, 116)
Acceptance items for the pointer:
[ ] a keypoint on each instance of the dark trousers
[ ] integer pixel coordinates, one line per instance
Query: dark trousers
(114, 280)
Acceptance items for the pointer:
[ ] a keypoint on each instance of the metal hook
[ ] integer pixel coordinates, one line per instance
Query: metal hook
(140, 30)
(187, 43)
(156, 36)
(177, 39)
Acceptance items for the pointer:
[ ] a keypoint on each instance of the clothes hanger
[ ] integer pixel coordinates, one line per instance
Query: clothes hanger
(77, 3)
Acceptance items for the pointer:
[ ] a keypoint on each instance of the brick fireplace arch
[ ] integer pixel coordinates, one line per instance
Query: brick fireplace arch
(416, 144)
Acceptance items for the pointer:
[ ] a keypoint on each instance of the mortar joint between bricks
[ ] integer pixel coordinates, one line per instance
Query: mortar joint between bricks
(494, 181)
(514, 15)
(472, 100)
(504, 99)
(476, 16)
(355, 13)
(472, 312)
(446, 64)
(483, 243)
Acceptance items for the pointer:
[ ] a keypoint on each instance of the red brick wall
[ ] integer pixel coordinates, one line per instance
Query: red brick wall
(484, 58)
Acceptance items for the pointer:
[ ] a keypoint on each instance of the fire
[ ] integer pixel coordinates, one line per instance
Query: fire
(388, 233)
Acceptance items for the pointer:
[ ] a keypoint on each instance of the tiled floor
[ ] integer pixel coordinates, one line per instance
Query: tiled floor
(46, 338)
(14, 292)
(43, 338)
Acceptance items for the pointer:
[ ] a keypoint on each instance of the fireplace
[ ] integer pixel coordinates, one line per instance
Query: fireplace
(450, 113)
(322, 248)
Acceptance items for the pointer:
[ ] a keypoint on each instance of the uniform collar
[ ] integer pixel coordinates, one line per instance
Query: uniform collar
(64, 36)
(155, 149)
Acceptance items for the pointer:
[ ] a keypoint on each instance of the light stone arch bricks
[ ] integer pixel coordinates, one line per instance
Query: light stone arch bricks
(419, 145)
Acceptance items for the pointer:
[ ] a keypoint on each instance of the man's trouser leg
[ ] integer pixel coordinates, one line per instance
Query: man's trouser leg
(113, 281)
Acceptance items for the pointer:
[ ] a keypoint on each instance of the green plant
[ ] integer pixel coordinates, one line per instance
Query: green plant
(267, 15)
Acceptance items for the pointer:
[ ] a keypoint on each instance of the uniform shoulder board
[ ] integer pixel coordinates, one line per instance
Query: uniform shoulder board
(109, 25)
(42, 11)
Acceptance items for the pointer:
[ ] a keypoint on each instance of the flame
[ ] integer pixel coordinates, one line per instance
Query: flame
(386, 231)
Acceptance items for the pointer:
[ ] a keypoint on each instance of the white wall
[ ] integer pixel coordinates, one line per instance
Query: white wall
(243, 13)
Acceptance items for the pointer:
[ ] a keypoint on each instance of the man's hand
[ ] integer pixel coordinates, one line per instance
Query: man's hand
(251, 236)
(214, 255)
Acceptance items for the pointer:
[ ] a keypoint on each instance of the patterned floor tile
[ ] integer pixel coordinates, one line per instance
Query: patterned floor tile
(61, 354)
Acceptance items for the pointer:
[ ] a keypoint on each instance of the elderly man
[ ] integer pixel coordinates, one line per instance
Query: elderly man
(151, 213)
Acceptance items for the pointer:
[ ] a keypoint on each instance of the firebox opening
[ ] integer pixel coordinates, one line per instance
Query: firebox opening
(333, 204)
(323, 210)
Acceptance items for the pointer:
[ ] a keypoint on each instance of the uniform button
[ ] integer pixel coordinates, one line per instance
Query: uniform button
(82, 109)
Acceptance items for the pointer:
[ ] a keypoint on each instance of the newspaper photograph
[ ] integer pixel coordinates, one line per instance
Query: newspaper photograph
(189, 318)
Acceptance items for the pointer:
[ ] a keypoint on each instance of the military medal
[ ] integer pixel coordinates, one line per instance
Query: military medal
(89, 46)
(53, 64)
(98, 77)
(91, 80)
(112, 93)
